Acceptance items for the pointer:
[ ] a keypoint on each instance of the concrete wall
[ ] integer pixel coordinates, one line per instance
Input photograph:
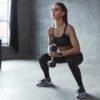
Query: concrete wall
(34, 19)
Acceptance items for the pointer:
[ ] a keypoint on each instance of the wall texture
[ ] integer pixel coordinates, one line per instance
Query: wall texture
(34, 19)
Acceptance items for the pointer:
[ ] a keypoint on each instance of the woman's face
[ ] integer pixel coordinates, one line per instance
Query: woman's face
(56, 12)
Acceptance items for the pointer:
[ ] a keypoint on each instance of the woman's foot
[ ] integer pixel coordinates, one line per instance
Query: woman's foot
(44, 83)
(80, 93)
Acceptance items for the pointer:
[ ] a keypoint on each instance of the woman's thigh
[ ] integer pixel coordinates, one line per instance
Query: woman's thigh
(60, 59)
(45, 57)
(75, 59)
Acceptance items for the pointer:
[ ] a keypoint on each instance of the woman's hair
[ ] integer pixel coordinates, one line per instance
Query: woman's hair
(63, 8)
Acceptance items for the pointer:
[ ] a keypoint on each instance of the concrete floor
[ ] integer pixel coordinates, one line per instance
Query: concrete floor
(18, 79)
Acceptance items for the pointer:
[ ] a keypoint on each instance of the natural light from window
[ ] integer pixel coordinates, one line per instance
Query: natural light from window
(4, 21)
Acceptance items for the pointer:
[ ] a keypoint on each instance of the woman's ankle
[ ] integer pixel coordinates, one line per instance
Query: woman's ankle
(49, 79)
(82, 88)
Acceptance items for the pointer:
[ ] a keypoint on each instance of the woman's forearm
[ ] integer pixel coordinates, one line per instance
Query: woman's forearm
(71, 51)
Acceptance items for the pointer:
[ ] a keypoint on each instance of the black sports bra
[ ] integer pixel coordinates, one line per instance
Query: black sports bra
(61, 41)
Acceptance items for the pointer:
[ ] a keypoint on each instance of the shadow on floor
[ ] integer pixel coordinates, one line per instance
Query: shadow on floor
(90, 97)
(62, 91)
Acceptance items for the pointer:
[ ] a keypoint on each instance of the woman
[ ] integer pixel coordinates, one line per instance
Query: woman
(63, 35)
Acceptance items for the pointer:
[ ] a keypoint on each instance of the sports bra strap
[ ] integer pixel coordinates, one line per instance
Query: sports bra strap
(65, 28)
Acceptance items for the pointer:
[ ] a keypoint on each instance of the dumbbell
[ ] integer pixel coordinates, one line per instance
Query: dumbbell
(52, 63)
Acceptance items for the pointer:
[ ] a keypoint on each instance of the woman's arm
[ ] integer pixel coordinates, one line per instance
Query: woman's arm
(49, 37)
(49, 41)
(74, 42)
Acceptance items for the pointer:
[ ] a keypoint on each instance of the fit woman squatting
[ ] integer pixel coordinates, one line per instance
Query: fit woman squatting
(64, 36)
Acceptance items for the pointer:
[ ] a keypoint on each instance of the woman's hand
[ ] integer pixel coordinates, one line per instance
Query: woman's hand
(50, 53)
(64, 53)
(53, 54)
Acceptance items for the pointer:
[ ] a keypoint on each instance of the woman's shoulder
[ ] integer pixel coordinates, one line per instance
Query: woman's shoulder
(70, 29)
(50, 28)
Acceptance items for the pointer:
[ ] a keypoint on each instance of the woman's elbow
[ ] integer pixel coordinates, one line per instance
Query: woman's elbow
(77, 50)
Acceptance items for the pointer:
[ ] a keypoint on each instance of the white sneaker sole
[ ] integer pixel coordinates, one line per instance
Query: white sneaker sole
(81, 95)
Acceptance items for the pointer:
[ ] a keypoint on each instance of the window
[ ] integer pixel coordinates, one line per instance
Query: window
(4, 21)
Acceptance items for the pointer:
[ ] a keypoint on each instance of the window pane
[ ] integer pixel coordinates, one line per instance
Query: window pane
(3, 29)
(4, 32)
(4, 20)
(3, 11)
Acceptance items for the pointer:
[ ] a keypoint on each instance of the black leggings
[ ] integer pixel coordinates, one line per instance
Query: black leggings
(73, 62)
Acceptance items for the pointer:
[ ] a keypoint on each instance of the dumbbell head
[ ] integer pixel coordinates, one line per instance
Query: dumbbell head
(51, 64)
(53, 47)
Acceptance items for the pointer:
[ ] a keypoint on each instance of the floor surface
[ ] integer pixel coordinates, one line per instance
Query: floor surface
(18, 79)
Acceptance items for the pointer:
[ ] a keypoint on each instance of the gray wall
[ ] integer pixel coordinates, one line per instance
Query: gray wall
(34, 19)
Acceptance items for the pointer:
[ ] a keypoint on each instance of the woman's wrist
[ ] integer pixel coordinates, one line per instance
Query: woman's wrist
(60, 54)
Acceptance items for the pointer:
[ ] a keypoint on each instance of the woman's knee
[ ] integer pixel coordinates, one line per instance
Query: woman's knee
(75, 59)
(45, 57)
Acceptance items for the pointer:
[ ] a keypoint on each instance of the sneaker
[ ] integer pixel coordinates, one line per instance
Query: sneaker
(80, 93)
(44, 83)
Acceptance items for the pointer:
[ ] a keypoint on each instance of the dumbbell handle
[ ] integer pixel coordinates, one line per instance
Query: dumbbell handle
(52, 58)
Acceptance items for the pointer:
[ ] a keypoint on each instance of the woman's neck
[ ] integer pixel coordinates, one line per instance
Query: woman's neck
(59, 23)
